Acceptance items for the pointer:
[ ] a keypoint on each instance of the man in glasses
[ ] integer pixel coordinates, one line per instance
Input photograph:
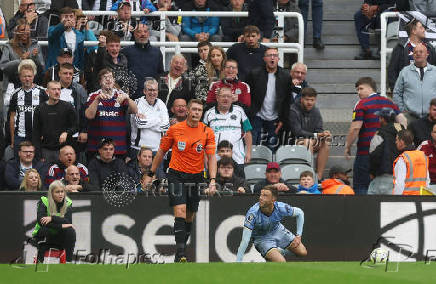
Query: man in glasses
(38, 23)
(270, 100)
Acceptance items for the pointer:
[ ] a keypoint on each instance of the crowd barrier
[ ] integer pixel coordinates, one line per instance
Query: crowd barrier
(337, 228)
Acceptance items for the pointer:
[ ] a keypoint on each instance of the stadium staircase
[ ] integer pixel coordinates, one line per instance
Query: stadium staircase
(333, 72)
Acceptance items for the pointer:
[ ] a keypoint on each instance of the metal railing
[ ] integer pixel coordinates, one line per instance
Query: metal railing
(191, 47)
(384, 50)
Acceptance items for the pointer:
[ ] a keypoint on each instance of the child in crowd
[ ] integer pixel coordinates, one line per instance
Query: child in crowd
(307, 184)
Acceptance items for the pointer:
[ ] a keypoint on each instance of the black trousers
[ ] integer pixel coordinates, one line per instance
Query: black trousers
(64, 239)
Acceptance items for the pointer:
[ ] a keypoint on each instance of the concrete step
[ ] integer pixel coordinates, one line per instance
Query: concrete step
(336, 101)
(337, 115)
(340, 160)
(342, 64)
(332, 52)
(335, 28)
(334, 39)
(339, 9)
(331, 88)
(340, 76)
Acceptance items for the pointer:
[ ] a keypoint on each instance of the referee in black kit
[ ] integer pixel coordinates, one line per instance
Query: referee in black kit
(189, 140)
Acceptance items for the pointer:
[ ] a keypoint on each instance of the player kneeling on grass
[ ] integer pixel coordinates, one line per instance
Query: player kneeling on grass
(262, 223)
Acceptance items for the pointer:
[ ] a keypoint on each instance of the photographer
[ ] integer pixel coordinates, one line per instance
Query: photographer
(38, 23)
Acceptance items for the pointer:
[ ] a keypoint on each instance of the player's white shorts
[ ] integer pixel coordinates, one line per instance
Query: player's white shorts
(279, 238)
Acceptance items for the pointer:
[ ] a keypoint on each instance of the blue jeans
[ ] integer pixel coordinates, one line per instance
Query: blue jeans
(361, 177)
(360, 22)
(316, 15)
(263, 133)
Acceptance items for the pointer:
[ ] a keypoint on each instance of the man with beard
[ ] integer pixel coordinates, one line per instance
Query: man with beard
(421, 128)
(338, 182)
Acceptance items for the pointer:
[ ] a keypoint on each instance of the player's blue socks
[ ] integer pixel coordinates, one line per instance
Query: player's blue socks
(180, 235)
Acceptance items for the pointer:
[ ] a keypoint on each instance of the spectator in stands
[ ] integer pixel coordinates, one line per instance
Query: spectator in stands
(273, 176)
(411, 166)
(240, 90)
(249, 54)
(317, 11)
(143, 59)
(229, 122)
(429, 148)
(307, 184)
(52, 74)
(31, 181)
(204, 75)
(142, 164)
(20, 47)
(65, 35)
(364, 125)
(270, 99)
(368, 17)
(383, 152)
(402, 55)
(200, 28)
(203, 48)
(67, 157)
(104, 164)
(225, 149)
(227, 180)
(261, 15)
(338, 182)
(233, 27)
(172, 26)
(108, 108)
(38, 22)
(76, 95)
(57, 5)
(416, 86)
(150, 122)
(23, 103)
(422, 128)
(306, 126)
(179, 111)
(298, 77)
(122, 25)
(54, 123)
(109, 56)
(175, 83)
(16, 169)
(73, 181)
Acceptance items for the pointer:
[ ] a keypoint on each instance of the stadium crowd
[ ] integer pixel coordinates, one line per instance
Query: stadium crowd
(79, 113)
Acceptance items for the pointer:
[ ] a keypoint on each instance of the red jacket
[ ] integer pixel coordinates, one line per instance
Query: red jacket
(430, 151)
(240, 88)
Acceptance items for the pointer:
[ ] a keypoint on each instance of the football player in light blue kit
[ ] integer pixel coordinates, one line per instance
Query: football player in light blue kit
(262, 223)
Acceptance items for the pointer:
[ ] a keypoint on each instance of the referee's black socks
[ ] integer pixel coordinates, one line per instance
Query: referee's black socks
(188, 227)
(180, 234)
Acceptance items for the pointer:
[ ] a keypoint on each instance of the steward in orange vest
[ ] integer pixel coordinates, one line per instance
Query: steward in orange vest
(410, 168)
(338, 182)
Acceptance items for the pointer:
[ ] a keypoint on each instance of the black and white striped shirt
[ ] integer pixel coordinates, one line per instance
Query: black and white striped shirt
(23, 103)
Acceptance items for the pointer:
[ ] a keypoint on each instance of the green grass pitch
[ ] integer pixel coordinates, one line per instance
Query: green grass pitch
(291, 272)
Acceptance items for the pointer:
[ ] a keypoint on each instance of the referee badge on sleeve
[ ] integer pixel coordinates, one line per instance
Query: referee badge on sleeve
(181, 145)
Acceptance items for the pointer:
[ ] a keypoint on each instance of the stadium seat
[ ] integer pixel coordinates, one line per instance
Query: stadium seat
(254, 173)
(291, 173)
(260, 154)
(293, 154)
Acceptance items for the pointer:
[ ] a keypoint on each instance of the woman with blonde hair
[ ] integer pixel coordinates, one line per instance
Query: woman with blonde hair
(54, 222)
(31, 181)
(205, 75)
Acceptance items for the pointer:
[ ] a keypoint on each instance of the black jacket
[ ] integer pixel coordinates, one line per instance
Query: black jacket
(99, 171)
(56, 221)
(247, 58)
(302, 123)
(261, 184)
(421, 129)
(381, 160)
(231, 184)
(400, 58)
(183, 90)
(12, 173)
(233, 27)
(258, 80)
(260, 14)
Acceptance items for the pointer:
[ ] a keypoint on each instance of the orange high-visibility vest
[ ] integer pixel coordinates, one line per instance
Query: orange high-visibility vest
(336, 186)
(416, 176)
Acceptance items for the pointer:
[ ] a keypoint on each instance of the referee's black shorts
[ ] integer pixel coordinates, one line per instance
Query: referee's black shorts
(183, 188)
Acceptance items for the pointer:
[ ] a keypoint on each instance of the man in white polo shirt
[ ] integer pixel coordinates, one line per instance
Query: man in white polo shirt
(229, 122)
